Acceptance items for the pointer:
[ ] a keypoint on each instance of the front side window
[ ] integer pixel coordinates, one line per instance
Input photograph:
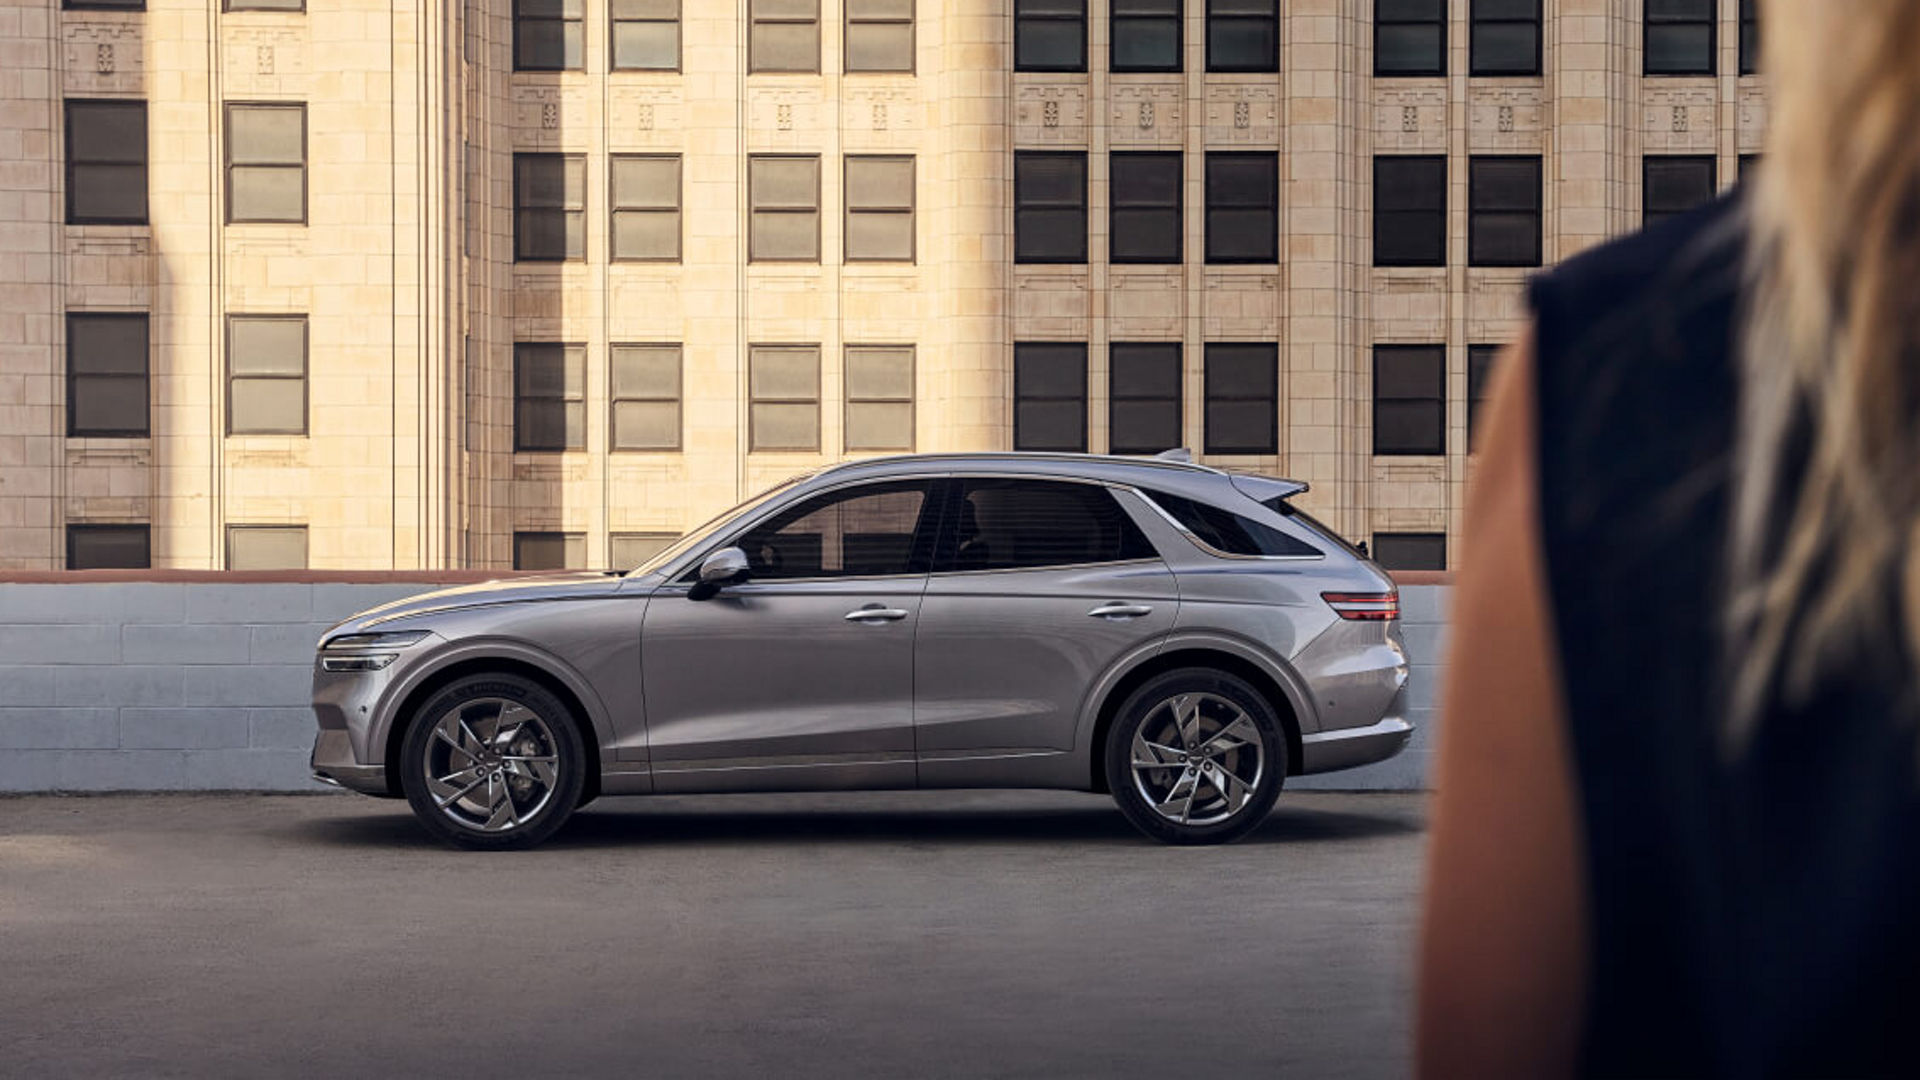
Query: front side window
(784, 381)
(106, 162)
(1144, 223)
(266, 163)
(1049, 35)
(1673, 185)
(866, 531)
(1243, 35)
(549, 396)
(549, 35)
(646, 35)
(1505, 37)
(1230, 533)
(267, 375)
(646, 396)
(107, 374)
(1143, 400)
(1504, 211)
(109, 547)
(1243, 208)
(879, 397)
(266, 547)
(1050, 396)
(549, 551)
(1409, 211)
(1146, 35)
(784, 35)
(879, 35)
(646, 207)
(1680, 37)
(879, 208)
(1410, 37)
(783, 192)
(1409, 399)
(1049, 207)
(1012, 524)
(549, 207)
(1243, 414)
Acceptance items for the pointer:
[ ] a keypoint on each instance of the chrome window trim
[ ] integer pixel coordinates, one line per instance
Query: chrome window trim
(1214, 551)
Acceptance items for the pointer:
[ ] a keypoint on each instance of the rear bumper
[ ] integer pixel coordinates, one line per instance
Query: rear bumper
(333, 763)
(1329, 751)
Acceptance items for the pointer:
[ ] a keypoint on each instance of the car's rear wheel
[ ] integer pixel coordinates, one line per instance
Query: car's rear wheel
(1196, 756)
(493, 761)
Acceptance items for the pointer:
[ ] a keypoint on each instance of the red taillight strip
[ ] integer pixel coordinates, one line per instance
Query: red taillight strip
(1363, 607)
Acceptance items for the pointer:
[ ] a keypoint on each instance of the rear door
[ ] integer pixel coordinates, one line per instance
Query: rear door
(1039, 586)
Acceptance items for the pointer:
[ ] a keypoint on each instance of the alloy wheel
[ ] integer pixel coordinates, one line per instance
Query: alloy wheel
(491, 764)
(1197, 759)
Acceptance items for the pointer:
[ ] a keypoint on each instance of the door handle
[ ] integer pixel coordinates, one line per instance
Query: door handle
(874, 614)
(1118, 610)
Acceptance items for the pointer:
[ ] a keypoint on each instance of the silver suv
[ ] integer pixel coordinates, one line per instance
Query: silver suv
(1175, 635)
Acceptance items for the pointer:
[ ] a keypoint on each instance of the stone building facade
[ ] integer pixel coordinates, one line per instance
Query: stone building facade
(416, 284)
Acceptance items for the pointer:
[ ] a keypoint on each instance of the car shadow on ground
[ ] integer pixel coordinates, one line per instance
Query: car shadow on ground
(631, 823)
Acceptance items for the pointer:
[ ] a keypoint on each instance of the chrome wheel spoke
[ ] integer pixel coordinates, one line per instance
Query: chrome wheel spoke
(460, 794)
(452, 781)
(1186, 718)
(1152, 755)
(508, 723)
(1179, 803)
(541, 769)
(1235, 790)
(500, 802)
(441, 734)
(1232, 737)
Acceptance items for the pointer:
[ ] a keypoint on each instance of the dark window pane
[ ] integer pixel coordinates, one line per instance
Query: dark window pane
(549, 397)
(1479, 378)
(1504, 202)
(1243, 196)
(1409, 211)
(1146, 35)
(1243, 35)
(1506, 49)
(1050, 396)
(1228, 532)
(1410, 551)
(1050, 207)
(550, 198)
(1242, 414)
(1679, 37)
(108, 547)
(1409, 399)
(107, 375)
(1050, 35)
(1671, 186)
(107, 162)
(1144, 397)
(549, 551)
(1023, 524)
(866, 532)
(1145, 223)
(1410, 37)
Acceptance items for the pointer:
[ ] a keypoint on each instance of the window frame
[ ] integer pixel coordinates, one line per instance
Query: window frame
(1438, 213)
(679, 39)
(1537, 212)
(1178, 208)
(306, 372)
(1647, 164)
(615, 209)
(519, 444)
(145, 377)
(1437, 401)
(226, 149)
(1710, 20)
(754, 210)
(565, 212)
(1439, 22)
(1268, 66)
(1538, 22)
(1271, 160)
(1209, 396)
(75, 529)
(754, 19)
(1082, 398)
(679, 400)
(306, 542)
(1115, 17)
(1020, 208)
(754, 398)
(847, 397)
(1078, 66)
(912, 22)
(911, 210)
(1115, 397)
(73, 164)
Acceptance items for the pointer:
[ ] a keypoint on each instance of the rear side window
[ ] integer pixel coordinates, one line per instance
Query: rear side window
(1226, 531)
(1023, 524)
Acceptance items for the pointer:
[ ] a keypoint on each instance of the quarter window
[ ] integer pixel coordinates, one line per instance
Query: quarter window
(549, 396)
(107, 162)
(1243, 35)
(1242, 397)
(868, 531)
(1049, 207)
(646, 396)
(1410, 37)
(1050, 396)
(1006, 524)
(550, 207)
(1504, 215)
(1146, 35)
(267, 375)
(1050, 35)
(1243, 208)
(1505, 37)
(107, 374)
(879, 35)
(646, 35)
(1409, 211)
(1228, 532)
(1143, 414)
(1144, 224)
(1409, 399)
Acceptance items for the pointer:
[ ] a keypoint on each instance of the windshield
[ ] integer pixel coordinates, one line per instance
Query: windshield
(714, 524)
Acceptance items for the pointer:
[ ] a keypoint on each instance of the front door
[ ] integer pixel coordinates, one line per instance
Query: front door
(802, 676)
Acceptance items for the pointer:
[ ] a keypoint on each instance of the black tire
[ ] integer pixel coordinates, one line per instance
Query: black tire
(1217, 694)
(558, 738)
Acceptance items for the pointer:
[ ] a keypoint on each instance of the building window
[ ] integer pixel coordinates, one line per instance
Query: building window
(105, 5)
(646, 396)
(784, 194)
(783, 35)
(1143, 397)
(1749, 37)
(1748, 162)
(1050, 396)
(1680, 37)
(1243, 35)
(1504, 215)
(266, 5)
(784, 413)
(1243, 380)
(1479, 379)
(879, 35)
(1671, 186)
(1146, 35)
(646, 207)
(107, 366)
(266, 547)
(549, 35)
(1049, 35)
(1144, 217)
(879, 209)
(106, 162)
(1505, 37)
(549, 207)
(628, 551)
(549, 551)
(879, 397)
(1410, 211)
(1409, 400)
(549, 396)
(1410, 551)
(266, 163)
(1410, 37)
(1243, 207)
(1049, 207)
(267, 375)
(109, 547)
(646, 35)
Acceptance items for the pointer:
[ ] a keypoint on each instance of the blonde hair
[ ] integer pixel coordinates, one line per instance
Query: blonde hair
(1832, 338)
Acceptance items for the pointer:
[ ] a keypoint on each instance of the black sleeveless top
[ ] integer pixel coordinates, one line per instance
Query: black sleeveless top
(1750, 916)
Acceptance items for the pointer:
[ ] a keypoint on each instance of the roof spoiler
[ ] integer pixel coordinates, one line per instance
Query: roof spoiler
(1263, 489)
(1179, 453)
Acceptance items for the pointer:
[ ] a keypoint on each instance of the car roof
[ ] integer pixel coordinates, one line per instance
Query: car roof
(1145, 471)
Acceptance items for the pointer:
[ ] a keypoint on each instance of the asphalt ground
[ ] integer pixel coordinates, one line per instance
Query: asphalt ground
(965, 934)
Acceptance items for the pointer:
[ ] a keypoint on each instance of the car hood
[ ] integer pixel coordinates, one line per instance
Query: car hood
(570, 586)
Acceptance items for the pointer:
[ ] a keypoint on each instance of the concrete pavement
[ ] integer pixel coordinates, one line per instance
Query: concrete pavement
(963, 934)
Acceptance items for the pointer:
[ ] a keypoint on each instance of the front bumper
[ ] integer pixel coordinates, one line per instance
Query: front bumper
(333, 763)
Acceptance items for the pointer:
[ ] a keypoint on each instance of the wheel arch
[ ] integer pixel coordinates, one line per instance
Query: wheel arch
(440, 677)
(1193, 655)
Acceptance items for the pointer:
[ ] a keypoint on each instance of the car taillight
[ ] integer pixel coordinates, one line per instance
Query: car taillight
(1365, 607)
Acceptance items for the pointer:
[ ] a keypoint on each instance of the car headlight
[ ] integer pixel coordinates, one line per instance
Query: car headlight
(355, 652)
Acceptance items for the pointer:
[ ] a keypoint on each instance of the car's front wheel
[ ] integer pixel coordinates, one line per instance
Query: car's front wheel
(1196, 756)
(493, 761)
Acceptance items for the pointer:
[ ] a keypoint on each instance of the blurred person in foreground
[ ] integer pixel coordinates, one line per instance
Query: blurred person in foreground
(1677, 829)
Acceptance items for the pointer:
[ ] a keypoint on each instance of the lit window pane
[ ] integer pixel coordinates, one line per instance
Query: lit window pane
(880, 47)
(266, 547)
(879, 425)
(268, 194)
(646, 425)
(786, 426)
(267, 346)
(268, 406)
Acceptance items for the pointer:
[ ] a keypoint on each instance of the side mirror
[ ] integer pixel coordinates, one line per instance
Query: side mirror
(728, 566)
